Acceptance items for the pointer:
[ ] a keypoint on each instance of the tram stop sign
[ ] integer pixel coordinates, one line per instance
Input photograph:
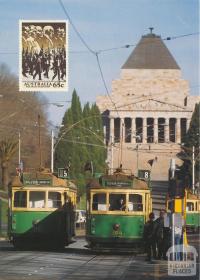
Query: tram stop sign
(62, 173)
(144, 174)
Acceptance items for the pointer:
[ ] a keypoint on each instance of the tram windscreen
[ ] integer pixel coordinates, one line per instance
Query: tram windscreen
(99, 202)
(20, 199)
(36, 199)
(117, 202)
(190, 206)
(54, 200)
(135, 202)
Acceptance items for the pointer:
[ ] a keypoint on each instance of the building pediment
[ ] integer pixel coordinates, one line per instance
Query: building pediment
(151, 105)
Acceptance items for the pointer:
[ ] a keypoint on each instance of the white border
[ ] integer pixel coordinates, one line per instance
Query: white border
(21, 87)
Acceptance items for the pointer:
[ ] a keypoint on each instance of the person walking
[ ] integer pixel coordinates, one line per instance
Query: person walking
(161, 236)
(149, 237)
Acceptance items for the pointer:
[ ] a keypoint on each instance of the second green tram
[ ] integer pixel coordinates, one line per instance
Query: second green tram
(41, 210)
(118, 206)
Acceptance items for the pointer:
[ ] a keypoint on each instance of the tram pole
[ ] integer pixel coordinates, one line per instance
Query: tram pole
(52, 151)
(39, 135)
(111, 140)
(193, 171)
(19, 154)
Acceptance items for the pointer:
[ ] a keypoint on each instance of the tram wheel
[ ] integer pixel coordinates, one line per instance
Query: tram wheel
(17, 243)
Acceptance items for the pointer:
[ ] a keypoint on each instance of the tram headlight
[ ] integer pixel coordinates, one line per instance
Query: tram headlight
(116, 227)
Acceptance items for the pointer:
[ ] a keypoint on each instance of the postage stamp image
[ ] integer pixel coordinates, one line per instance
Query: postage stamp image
(43, 55)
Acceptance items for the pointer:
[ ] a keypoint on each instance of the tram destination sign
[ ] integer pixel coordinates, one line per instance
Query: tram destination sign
(38, 182)
(118, 183)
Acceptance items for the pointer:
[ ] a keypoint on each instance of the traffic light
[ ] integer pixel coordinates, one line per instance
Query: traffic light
(176, 187)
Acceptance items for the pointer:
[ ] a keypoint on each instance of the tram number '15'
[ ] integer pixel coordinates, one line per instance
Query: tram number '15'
(62, 173)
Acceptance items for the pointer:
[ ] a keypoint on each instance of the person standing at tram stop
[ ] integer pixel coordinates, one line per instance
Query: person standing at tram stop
(149, 237)
(162, 236)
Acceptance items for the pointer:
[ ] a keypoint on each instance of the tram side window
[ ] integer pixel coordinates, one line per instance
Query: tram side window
(117, 202)
(190, 206)
(20, 199)
(135, 202)
(37, 199)
(99, 202)
(54, 200)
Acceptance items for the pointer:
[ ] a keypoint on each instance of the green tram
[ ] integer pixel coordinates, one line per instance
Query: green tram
(41, 210)
(192, 211)
(118, 206)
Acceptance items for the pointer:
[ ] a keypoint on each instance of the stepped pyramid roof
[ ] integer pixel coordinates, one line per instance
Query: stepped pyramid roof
(150, 53)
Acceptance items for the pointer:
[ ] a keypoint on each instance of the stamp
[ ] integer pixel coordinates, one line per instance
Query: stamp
(43, 55)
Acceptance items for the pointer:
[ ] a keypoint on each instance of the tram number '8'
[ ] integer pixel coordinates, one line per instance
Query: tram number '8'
(144, 174)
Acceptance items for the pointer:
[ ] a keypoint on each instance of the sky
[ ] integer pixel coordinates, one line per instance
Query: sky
(104, 24)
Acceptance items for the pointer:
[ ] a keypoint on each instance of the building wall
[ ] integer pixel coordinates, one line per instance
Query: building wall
(147, 93)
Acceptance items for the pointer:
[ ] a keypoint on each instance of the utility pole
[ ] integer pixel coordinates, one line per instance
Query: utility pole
(121, 144)
(193, 171)
(137, 159)
(40, 152)
(52, 151)
(19, 155)
(111, 143)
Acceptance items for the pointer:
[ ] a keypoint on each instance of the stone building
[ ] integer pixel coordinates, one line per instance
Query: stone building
(148, 111)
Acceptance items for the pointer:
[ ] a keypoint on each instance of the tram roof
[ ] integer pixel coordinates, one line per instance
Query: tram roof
(39, 179)
(190, 195)
(118, 181)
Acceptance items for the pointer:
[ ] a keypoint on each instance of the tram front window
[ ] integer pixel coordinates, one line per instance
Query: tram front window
(190, 206)
(54, 200)
(117, 202)
(135, 202)
(37, 199)
(20, 199)
(99, 202)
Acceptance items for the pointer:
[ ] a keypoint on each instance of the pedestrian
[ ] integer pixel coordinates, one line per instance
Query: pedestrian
(161, 236)
(149, 237)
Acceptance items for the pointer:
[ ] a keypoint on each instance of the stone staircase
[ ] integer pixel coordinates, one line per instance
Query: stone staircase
(159, 191)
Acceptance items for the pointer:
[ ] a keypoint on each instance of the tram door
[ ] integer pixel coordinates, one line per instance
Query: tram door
(148, 202)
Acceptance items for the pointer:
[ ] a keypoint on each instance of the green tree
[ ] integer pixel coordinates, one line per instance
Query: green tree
(80, 141)
(191, 140)
(8, 148)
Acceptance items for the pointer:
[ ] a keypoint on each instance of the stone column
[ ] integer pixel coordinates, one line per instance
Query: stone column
(155, 130)
(166, 130)
(187, 124)
(144, 130)
(133, 131)
(112, 138)
(121, 121)
(122, 130)
(178, 130)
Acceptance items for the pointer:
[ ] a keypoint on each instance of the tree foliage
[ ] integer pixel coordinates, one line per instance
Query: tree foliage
(19, 114)
(191, 140)
(8, 148)
(80, 140)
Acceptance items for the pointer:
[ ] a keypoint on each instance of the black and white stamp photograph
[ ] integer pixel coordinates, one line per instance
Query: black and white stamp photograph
(43, 56)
